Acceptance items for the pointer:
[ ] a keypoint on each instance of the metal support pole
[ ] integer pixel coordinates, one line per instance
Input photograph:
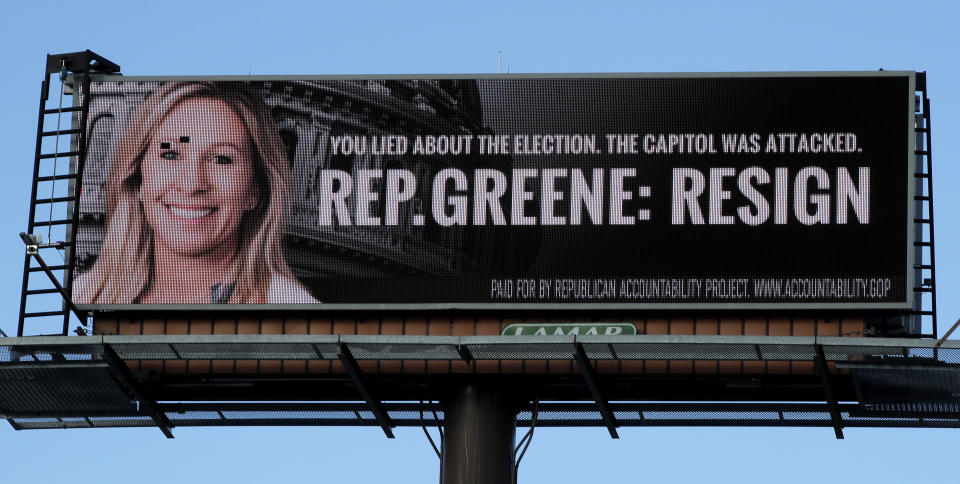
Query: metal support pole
(133, 389)
(350, 365)
(591, 381)
(480, 436)
(820, 362)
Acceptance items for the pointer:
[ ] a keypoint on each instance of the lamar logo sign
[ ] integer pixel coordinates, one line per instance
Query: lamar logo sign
(567, 329)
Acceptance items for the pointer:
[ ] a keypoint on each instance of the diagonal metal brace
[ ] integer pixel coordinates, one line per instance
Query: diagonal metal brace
(590, 379)
(465, 353)
(946, 335)
(32, 251)
(423, 425)
(820, 361)
(123, 374)
(353, 370)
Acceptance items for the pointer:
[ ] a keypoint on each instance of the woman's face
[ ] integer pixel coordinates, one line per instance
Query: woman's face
(198, 178)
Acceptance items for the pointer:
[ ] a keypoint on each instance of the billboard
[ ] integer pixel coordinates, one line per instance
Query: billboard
(781, 190)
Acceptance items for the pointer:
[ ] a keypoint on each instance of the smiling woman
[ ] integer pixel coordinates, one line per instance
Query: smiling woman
(195, 204)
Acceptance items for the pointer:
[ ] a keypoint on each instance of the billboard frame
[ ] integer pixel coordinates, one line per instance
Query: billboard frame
(912, 270)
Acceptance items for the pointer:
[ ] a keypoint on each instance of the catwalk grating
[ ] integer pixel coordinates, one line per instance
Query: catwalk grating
(65, 382)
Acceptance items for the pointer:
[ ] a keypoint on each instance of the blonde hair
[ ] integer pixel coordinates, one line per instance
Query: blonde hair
(124, 268)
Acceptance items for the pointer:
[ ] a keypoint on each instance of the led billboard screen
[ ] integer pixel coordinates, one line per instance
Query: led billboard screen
(663, 191)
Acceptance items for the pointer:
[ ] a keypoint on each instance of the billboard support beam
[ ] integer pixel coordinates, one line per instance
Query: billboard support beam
(123, 375)
(525, 441)
(590, 379)
(820, 360)
(423, 426)
(80, 62)
(479, 440)
(350, 365)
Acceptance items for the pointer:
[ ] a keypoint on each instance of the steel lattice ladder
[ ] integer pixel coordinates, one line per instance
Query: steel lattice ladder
(924, 254)
(54, 195)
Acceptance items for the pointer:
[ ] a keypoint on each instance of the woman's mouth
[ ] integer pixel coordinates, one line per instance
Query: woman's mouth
(190, 213)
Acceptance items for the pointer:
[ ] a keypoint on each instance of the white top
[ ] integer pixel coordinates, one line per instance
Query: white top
(286, 290)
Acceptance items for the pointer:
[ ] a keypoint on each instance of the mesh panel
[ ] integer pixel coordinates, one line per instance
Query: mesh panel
(61, 390)
(909, 390)
(245, 351)
(951, 355)
(599, 351)
(787, 352)
(865, 418)
(193, 415)
(145, 351)
(862, 353)
(81, 422)
(30, 353)
(926, 353)
(823, 416)
(682, 351)
(122, 421)
(51, 423)
(374, 351)
(519, 351)
(292, 415)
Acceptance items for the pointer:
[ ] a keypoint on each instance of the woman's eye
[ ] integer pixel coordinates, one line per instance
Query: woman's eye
(170, 155)
(222, 159)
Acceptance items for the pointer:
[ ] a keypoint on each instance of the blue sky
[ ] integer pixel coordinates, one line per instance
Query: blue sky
(219, 38)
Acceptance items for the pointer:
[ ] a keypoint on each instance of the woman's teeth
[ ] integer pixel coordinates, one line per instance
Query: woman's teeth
(189, 213)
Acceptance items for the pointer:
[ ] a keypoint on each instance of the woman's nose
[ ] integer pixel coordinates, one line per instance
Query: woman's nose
(192, 177)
